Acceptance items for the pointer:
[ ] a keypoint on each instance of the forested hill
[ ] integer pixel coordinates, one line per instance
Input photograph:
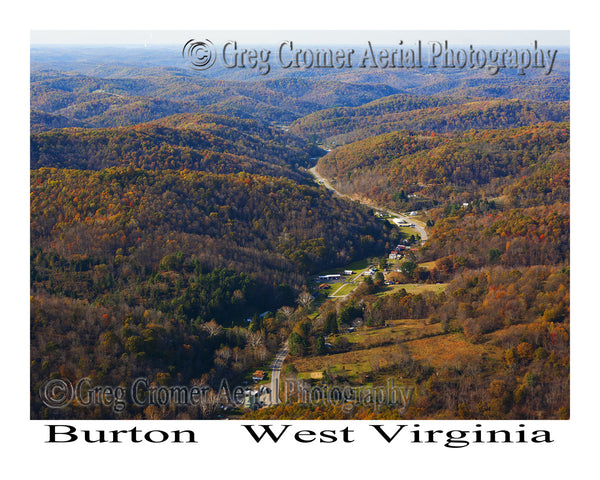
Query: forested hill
(97, 101)
(444, 165)
(138, 273)
(105, 236)
(42, 121)
(492, 196)
(187, 141)
(119, 95)
(440, 115)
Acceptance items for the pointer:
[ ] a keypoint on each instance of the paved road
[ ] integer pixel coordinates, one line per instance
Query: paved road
(418, 227)
(320, 179)
(276, 371)
(283, 351)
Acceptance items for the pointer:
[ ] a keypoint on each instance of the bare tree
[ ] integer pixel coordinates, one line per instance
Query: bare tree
(256, 339)
(223, 354)
(304, 300)
(287, 312)
(212, 328)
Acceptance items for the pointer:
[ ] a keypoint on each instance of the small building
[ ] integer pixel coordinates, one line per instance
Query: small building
(258, 376)
(348, 272)
(333, 276)
(323, 286)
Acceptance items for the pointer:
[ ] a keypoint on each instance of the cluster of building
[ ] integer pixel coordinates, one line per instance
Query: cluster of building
(398, 252)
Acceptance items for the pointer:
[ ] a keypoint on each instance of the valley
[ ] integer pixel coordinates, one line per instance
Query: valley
(405, 228)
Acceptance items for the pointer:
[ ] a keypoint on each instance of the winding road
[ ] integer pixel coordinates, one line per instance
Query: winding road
(417, 226)
(283, 351)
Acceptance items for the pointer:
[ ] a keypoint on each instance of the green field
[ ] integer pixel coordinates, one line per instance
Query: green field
(415, 288)
(345, 290)
(408, 231)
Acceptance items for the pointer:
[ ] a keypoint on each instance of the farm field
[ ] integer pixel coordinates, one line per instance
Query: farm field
(415, 288)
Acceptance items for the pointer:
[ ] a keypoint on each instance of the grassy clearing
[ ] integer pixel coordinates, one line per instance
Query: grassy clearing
(373, 348)
(344, 290)
(427, 265)
(395, 331)
(428, 346)
(358, 265)
(347, 283)
(415, 288)
(350, 364)
(419, 220)
(408, 231)
(451, 350)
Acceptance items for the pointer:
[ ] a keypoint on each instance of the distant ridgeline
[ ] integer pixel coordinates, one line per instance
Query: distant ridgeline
(110, 87)
(431, 114)
(195, 142)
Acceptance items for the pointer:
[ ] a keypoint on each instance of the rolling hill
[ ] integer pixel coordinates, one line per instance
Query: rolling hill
(110, 102)
(195, 142)
(405, 112)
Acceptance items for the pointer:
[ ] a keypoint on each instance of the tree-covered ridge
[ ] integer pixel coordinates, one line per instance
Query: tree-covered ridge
(115, 345)
(153, 273)
(109, 233)
(155, 67)
(75, 339)
(493, 197)
(455, 167)
(434, 114)
(120, 95)
(42, 121)
(469, 238)
(196, 142)
(334, 121)
(130, 97)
